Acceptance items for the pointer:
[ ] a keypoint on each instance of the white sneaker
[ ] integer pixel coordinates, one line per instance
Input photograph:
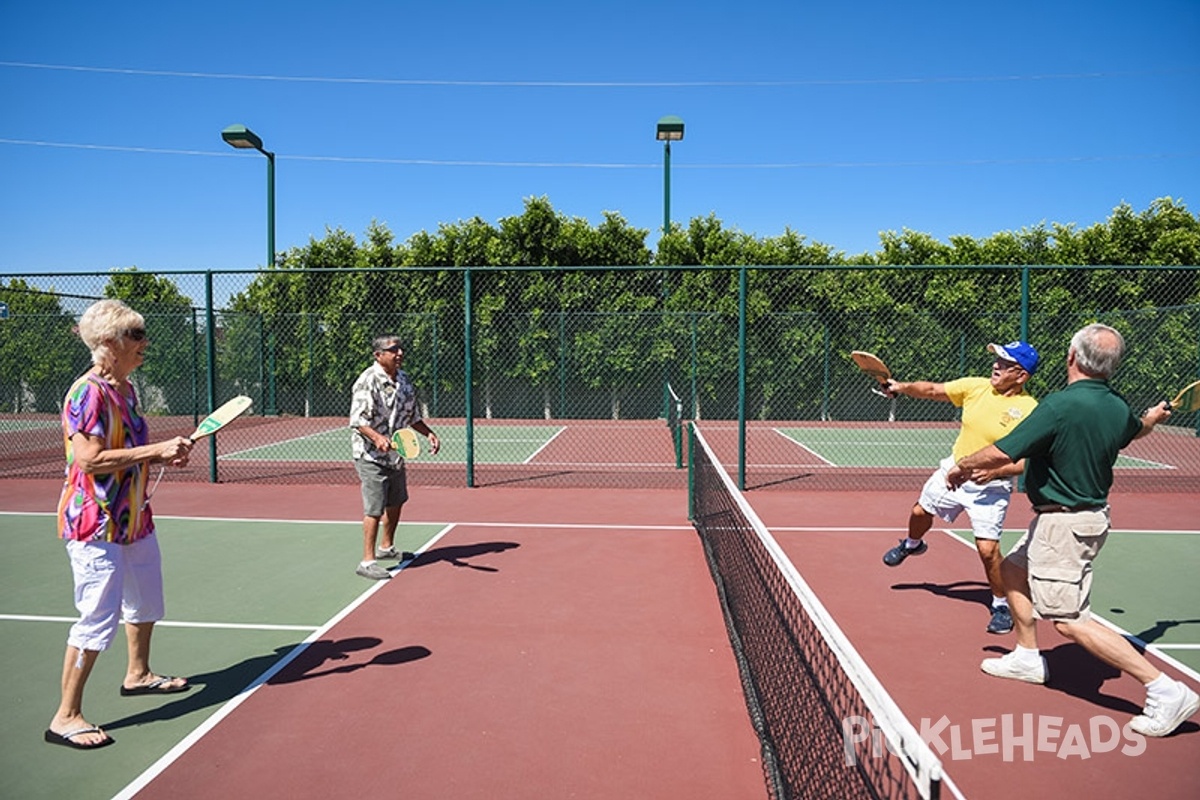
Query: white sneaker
(1159, 719)
(1007, 666)
(373, 571)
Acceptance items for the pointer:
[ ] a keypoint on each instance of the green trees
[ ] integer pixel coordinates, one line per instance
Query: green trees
(570, 319)
(36, 347)
(40, 355)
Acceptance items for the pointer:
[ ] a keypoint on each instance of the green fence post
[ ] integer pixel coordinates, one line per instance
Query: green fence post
(468, 380)
(742, 280)
(211, 347)
(195, 368)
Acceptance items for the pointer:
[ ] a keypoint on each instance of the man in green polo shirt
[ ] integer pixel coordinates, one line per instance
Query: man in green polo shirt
(1070, 443)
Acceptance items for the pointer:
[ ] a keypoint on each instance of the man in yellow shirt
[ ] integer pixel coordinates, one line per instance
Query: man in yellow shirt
(991, 407)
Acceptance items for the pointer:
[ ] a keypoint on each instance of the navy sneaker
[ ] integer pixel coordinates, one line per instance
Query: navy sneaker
(895, 557)
(1001, 620)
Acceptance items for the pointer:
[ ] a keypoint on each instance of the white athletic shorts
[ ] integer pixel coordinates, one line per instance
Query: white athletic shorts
(114, 583)
(986, 504)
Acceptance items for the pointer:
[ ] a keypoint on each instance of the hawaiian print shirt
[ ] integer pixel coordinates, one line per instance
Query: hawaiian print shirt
(104, 507)
(385, 405)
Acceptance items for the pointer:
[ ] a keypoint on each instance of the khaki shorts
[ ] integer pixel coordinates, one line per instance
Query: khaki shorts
(1058, 551)
(382, 487)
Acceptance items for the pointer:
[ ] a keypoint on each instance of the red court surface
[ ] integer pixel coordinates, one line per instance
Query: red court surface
(549, 657)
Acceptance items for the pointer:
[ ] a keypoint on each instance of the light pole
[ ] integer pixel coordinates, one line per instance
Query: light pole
(243, 138)
(670, 129)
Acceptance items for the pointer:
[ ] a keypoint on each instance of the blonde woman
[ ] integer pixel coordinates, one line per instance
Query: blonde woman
(105, 519)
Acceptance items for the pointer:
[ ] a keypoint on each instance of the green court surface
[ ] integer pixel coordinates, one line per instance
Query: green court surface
(1145, 584)
(233, 610)
(893, 447)
(502, 444)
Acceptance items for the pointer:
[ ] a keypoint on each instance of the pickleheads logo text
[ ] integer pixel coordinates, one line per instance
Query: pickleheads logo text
(1010, 738)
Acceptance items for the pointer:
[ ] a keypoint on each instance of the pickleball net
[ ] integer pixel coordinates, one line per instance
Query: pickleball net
(827, 726)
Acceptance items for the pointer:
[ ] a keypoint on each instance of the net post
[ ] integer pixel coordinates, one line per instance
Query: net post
(691, 473)
(673, 410)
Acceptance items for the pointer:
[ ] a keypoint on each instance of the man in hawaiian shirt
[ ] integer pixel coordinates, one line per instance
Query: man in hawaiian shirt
(383, 402)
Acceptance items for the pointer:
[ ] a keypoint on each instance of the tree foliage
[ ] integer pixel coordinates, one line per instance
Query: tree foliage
(561, 306)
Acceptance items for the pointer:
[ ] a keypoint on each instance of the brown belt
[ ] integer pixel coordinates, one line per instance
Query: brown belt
(1057, 509)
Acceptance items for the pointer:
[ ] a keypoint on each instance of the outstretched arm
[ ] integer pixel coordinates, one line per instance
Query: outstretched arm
(922, 390)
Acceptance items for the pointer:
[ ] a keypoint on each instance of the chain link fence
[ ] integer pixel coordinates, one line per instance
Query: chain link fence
(582, 376)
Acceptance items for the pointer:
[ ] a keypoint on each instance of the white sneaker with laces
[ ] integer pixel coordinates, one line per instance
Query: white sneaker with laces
(1159, 719)
(1007, 666)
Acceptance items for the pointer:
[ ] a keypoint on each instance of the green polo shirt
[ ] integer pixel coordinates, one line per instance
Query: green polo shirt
(1071, 441)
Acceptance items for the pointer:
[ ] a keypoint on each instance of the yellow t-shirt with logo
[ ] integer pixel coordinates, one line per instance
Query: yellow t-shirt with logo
(987, 415)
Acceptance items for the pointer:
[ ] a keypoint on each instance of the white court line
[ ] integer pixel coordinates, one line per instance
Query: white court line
(804, 447)
(435, 523)
(166, 623)
(186, 743)
(546, 444)
(327, 432)
(576, 526)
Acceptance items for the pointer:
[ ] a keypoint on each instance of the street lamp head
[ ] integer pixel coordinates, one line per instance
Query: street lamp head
(242, 137)
(670, 129)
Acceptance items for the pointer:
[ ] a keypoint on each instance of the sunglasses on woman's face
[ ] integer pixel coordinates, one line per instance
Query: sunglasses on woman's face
(136, 334)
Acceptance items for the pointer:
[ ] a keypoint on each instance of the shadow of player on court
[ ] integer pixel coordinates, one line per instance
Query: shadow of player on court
(215, 688)
(308, 664)
(1076, 672)
(208, 689)
(458, 555)
(965, 591)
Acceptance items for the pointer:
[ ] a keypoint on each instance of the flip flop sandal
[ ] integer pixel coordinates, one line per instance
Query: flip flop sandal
(156, 686)
(68, 739)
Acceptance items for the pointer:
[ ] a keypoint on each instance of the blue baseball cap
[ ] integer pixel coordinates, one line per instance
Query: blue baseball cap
(1018, 352)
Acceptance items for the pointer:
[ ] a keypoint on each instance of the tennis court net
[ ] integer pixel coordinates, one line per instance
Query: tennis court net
(828, 727)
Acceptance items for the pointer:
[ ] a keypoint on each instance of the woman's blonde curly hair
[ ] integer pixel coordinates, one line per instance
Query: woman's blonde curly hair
(104, 322)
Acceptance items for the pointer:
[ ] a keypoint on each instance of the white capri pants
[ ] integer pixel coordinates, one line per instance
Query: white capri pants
(114, 583)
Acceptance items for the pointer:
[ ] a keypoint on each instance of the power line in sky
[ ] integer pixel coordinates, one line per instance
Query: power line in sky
(1065, 76)
(962, 162)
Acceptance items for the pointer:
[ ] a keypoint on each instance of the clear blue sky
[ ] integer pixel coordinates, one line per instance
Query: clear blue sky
(837, 119)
